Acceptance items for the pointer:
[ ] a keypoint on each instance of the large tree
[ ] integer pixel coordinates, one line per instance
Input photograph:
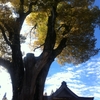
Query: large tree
(64, 30)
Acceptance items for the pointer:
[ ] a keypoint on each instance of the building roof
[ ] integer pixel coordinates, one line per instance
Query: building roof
(64, 92)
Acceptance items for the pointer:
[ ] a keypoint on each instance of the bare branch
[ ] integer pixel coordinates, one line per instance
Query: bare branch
(39, 46)
(34, 27)
(60, 47)
(64, 41)
(4, 35)
(51, 34)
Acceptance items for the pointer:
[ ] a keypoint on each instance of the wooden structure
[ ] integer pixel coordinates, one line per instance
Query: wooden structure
(64, 93)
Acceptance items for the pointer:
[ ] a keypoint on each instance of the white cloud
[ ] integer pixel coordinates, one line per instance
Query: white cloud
(84, 79)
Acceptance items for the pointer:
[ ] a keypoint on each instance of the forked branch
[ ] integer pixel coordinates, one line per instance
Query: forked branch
(23, 14)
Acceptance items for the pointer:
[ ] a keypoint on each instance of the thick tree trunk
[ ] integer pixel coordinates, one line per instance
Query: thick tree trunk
(28, 81)
(36, 70)
(40, 82)
(28, 76)
(17, 68)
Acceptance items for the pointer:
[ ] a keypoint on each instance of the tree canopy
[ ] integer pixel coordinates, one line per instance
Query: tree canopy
(75, 22)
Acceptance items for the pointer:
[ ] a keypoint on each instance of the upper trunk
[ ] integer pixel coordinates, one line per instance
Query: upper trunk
(28, 76)
(17, 70)
(36, 70)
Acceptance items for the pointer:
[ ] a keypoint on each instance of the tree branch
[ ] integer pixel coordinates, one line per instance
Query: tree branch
(30, 7)
(38, 47)
(63, 42)
(34, 27)
(5, 63)
(21, 11)
(51, 34)
(21, 5)
(4, 35)
(60, 47)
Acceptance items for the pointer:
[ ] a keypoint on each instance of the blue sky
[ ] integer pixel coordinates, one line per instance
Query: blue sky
(83, 80)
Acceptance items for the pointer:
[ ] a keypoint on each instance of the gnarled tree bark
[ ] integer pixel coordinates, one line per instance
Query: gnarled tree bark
(28, 76)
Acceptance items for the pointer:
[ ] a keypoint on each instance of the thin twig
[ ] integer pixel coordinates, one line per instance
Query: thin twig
(34, 27)
(38, 47)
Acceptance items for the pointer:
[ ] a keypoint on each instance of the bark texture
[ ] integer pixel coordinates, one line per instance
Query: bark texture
(28, 75)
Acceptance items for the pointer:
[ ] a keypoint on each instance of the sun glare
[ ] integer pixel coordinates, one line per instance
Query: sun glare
(5, 84)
